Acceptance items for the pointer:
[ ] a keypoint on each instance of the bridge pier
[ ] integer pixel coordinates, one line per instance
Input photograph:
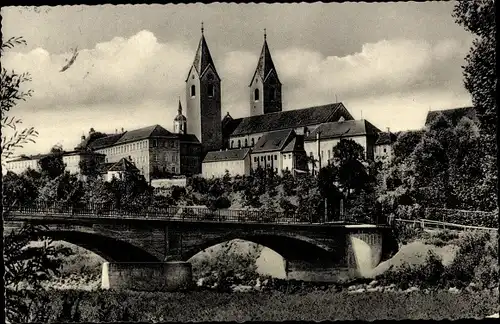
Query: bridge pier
(364, 252)
(146, 276)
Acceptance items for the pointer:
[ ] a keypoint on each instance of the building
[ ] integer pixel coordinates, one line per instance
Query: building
(383, 146)
(279, 150)
(237, 162)
(276, 138)
(118, 170)
(203, 99)
(155, 151)
(320, 142)
(71, 159)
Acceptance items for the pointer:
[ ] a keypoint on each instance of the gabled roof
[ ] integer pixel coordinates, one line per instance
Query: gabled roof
(123, 165)
(454, 114)
(227, 155)
(229, 125)
(265, 64)
(143, 133)
(290, 119)
(385, 138)
(273, 141)
(343, 129)
(104, 141)
(203, 59)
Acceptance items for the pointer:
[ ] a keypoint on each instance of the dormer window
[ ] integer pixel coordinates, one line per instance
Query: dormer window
(341, 119)
(193, 90)
(256, 95)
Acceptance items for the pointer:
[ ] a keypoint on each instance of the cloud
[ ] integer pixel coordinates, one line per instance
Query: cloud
(134, 82)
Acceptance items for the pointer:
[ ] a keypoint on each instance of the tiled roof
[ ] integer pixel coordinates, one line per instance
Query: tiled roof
(265, 64)
(290, 119)
(27, 157)
(345, 128)
(385, 138)
(123, 165)
(273, 141)
(104, 141)
(227, 155)
(202, 58)
(454, 115)
(143, 133)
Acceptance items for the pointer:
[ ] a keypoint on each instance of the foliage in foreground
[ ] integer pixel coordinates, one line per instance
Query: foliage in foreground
(475, 265)
(110, 306)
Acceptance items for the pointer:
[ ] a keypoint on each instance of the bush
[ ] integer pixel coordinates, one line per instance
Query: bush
(406, 232)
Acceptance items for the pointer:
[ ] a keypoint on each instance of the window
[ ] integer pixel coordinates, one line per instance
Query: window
(262, 158)
(239, 143)
(193, 90)
(284, 157)
(310, 154)
(255, 159)
(322, 154)
(155, 143)
(256, 95)
(275, 93)
(210, 90)
(328, 153)
(275, 157)
(253, 141)
(269, 158)
(385, 150)
(173, 169)
(246, 142)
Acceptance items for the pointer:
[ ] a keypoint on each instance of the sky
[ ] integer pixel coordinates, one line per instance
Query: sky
(389, 63)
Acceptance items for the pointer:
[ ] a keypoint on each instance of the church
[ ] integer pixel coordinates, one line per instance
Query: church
(299, 140)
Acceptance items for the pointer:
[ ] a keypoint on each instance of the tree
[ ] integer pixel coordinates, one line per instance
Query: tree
(10, 95)
(18, 190)
(89, 166)
(405, 144)
(28, 264)
(350, 166)
(52, 165)
(480, 79)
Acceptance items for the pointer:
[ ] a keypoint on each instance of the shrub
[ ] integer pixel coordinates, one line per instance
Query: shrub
(406, 232)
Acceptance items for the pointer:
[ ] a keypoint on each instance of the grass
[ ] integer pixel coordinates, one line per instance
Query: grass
(267, 306)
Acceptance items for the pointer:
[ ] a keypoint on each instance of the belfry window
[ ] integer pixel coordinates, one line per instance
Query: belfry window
(256, 95)
(193, 90)
(210, 90)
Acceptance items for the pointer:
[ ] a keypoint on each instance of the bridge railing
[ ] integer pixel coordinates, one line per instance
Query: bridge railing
(185, 213)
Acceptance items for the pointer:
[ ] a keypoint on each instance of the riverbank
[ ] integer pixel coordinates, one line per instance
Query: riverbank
(316, 305)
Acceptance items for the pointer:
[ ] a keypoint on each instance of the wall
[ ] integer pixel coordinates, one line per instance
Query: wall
(267, 160)
(165, 183)
(218, 168)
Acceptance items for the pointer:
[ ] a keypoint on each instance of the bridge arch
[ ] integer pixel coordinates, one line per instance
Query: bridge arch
(109, 248)
(290, 247)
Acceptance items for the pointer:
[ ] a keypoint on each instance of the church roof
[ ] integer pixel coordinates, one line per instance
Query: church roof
(227, 155)
(296, 144)
(265, 64)
(343, 129)
(143, 133)
(203, 58)
(273, 141)
(288, 119)
(454, 115)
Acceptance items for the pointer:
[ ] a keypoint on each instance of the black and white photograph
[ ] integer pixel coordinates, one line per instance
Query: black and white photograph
(240, 162)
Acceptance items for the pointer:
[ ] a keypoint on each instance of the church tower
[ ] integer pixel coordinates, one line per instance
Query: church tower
(180, 122)
(203, 98)
(265, 87)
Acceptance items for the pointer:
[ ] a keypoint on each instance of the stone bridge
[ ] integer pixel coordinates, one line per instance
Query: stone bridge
(323, 252)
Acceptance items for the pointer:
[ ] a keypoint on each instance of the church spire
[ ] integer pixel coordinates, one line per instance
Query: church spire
(265, 86)
(179, 109)
(203, 58)
(265, 63)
